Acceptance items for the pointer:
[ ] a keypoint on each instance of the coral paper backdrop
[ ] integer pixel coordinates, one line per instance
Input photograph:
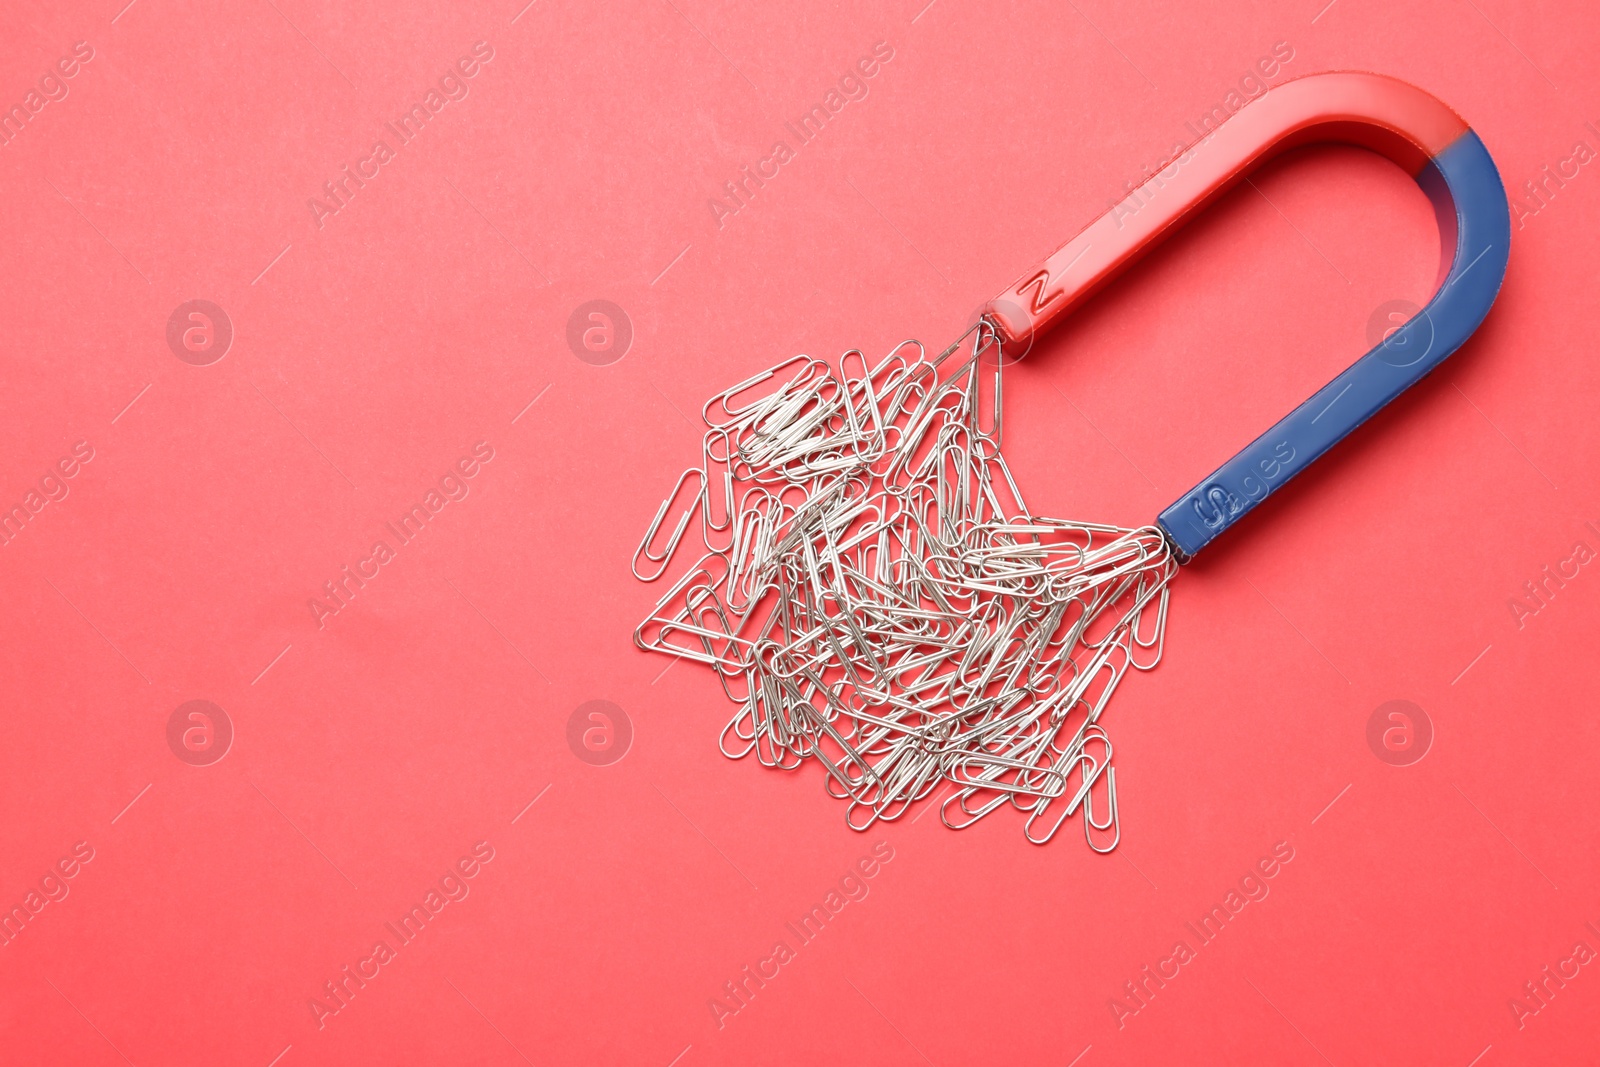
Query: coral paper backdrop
(322, 482)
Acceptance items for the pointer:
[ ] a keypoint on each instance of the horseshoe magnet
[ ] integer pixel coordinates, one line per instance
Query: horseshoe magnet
(1389, 116)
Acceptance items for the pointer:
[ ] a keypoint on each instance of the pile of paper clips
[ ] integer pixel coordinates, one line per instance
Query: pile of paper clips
(876, 596)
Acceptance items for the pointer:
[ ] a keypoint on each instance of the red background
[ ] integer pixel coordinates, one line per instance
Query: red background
(372, 753)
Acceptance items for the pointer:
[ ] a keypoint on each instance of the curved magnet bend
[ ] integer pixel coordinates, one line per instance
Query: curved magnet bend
(1400, 121)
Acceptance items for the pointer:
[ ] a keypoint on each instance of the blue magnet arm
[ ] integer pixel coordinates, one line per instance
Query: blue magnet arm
(1470, 202)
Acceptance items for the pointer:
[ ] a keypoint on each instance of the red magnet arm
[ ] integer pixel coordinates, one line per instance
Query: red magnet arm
(1373, 111)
